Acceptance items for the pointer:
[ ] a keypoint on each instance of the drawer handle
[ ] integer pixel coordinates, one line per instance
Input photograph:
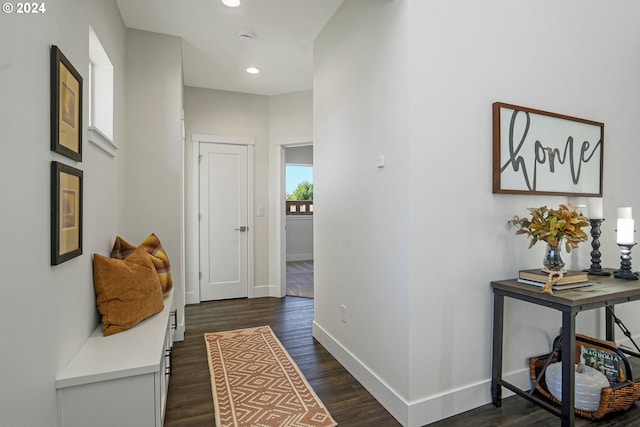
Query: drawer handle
(168, 354)
(174, 315)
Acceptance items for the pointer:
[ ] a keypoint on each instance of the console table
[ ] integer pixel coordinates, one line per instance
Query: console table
(602, 292)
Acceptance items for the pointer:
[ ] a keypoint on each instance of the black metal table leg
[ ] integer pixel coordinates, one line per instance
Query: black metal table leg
(496, 361)
(609, 324)
(568, 368)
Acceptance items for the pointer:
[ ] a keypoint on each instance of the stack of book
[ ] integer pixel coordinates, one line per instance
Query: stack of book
(570, 279)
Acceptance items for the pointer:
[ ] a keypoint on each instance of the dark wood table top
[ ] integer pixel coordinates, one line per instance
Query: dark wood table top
(601, 291)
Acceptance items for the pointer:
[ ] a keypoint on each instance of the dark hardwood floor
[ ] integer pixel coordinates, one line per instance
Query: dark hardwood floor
(190, 403)
(519, 412)
(300, 278)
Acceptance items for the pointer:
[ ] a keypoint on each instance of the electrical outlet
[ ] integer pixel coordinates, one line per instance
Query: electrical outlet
(343, 313)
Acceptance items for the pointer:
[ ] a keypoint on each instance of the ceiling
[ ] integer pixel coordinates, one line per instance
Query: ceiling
(215, 57)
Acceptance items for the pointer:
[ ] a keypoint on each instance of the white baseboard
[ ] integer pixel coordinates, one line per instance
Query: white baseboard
(266, 291)
(191, 298)
(626, 342)
(258, 292)
(394, 403)
(299, 257)
(178, 334)
(453, 402)
(422, 411)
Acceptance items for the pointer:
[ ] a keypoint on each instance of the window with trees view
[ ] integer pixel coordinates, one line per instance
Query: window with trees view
(299, 189)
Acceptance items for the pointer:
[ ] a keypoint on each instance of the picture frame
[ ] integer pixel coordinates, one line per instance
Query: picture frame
(538, 152)
(66, 212)
(66, 107)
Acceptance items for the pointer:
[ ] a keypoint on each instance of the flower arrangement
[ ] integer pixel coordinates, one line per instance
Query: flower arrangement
(553, 226)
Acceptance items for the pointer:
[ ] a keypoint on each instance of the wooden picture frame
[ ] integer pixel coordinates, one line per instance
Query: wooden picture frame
(66, 212)
(66, 107)
(538, 152)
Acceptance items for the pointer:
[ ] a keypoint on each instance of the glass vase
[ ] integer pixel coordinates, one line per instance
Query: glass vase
(552, 260)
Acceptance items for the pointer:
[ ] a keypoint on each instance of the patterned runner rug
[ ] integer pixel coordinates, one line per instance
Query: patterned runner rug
(255, 383)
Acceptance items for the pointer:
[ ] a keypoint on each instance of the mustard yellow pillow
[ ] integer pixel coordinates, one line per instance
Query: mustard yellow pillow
(122, 248)
(127, 291)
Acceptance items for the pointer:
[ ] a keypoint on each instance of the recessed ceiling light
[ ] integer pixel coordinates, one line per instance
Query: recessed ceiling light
(231, 3)
(252, 70)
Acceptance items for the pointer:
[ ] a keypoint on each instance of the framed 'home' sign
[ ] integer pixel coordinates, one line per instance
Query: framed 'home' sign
(537, 152)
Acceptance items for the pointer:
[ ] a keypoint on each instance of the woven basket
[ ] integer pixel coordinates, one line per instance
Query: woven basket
(618, 397)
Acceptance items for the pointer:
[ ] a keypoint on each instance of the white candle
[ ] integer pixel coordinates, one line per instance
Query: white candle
(625, 231)
(624, 213)
(595, 208)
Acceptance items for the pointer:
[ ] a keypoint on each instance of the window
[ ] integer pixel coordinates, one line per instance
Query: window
(299, 189)
(100, 96)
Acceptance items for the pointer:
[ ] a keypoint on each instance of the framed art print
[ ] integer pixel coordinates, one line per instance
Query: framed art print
(66, 213)
(537, 152)
(66, 107)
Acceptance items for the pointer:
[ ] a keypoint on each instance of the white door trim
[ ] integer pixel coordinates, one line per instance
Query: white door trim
(223, 139)
(278, 265)
(193, 266)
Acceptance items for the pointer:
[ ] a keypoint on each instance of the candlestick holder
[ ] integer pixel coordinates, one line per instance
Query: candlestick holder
(625, 263)
(595, 268)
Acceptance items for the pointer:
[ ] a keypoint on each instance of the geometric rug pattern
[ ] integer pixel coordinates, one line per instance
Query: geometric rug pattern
(255, 383)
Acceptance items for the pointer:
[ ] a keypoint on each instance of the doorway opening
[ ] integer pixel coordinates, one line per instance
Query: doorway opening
(298, 178)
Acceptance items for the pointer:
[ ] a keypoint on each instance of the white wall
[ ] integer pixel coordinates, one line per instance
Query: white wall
(302, 155)
(48, 311)
(361, 111)
(291, 115)
(452, 236)
(299, 237)
(290, 127)
(154, 158)
(547, 62)
(223, 113)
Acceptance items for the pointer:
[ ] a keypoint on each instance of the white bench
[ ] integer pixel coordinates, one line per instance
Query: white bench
(122, 379)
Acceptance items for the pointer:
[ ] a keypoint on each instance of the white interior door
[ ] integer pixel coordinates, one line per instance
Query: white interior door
(224, 231)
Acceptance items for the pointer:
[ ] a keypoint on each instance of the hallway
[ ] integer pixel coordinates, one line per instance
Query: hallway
(190, 401)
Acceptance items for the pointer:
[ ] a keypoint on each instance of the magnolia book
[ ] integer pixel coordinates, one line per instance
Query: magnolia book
(606, 362)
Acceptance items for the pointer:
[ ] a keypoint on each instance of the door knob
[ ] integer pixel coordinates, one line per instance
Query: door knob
(242, 228)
